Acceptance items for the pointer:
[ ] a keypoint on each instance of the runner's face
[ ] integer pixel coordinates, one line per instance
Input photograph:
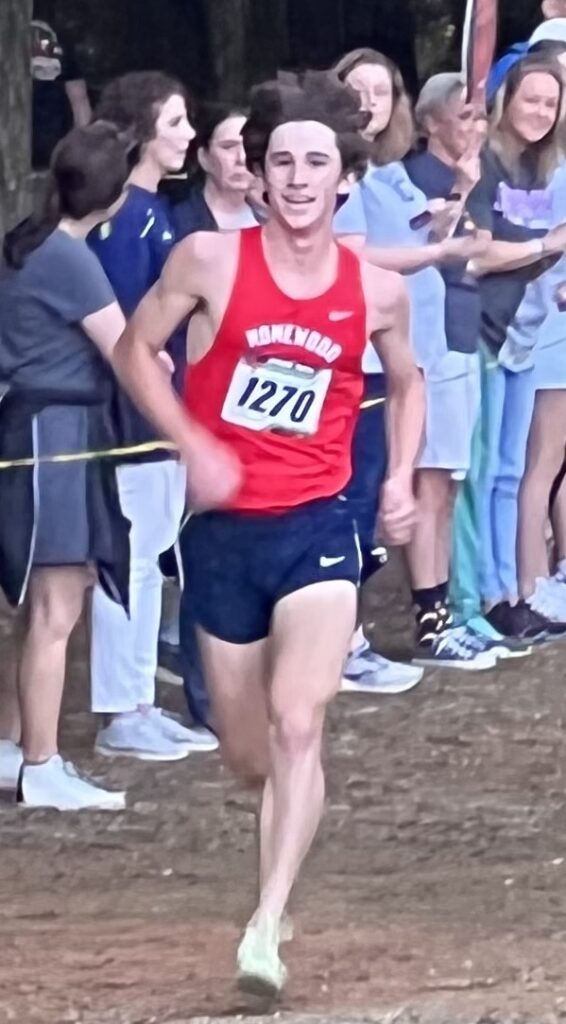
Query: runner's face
(224, 160)
(173, 132)
(303, 168)
(533, 110)
(373, 83)
(453, 125)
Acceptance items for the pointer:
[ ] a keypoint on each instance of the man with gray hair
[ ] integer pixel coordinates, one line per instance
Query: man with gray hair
(447, 169)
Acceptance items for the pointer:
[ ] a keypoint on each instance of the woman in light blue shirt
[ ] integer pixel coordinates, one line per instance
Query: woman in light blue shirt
(386, 209)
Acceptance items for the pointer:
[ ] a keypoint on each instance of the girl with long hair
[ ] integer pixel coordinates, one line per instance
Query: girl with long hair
(133, 248)
(61, 524)
(513, 203)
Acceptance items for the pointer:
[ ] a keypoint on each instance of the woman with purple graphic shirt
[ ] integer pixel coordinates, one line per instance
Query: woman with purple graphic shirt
(513, 203)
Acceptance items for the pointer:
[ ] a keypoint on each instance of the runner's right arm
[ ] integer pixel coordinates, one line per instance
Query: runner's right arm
(214, 472)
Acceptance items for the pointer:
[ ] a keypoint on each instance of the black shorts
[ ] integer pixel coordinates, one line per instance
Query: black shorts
(239, 565)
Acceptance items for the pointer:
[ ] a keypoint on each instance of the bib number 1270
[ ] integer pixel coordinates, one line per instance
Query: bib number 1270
(276, 395)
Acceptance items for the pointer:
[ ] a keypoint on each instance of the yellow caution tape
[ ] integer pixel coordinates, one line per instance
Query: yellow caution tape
(113, 453)
(108, 453)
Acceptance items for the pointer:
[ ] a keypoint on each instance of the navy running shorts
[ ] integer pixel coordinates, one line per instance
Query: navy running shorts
(238, 565)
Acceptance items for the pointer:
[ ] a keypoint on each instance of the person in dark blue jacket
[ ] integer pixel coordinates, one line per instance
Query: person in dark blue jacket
(133, 248)
(215, 198)
(219, 185)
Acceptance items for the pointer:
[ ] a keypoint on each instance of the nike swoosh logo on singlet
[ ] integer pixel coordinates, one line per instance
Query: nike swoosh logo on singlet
(340, 315)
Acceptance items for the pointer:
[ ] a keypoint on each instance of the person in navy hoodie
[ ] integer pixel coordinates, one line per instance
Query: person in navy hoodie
(133, 248)
(215, 199)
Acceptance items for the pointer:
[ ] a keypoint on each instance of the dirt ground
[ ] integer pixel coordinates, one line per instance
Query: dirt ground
(435, 894)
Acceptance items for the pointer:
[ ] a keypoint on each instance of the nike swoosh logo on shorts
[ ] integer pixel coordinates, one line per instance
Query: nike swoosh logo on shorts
(339, 314)
(327, 563)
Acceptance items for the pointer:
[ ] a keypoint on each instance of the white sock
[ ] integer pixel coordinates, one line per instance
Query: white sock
(358, 640)
(562, 566)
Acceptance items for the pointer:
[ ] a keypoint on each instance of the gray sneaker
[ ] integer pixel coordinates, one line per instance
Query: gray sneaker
(138, 735)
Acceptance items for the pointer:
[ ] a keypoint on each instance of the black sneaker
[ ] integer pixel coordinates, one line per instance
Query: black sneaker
(521, 622)
(445, 615)
(169, 669)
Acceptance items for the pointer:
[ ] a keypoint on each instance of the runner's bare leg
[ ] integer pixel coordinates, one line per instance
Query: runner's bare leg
(305, 677)
(236, 676)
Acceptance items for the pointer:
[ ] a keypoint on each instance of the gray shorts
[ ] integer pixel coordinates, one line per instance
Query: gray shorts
(453, 403)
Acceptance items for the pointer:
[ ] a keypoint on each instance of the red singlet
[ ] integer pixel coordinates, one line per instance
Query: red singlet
(282, 382)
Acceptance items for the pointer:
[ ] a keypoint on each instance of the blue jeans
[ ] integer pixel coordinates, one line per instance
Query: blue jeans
(506, 414)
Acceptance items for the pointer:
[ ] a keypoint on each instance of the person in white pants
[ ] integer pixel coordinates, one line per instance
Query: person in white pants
(124, 650)
(133, 249)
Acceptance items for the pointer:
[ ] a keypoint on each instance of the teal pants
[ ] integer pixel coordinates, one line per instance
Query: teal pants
(464, 571)
(484, 560)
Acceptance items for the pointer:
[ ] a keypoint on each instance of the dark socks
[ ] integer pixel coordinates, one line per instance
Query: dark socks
(425, 599)
(442, 590)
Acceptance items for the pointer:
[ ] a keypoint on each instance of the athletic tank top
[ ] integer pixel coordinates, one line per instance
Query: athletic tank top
(282, 382)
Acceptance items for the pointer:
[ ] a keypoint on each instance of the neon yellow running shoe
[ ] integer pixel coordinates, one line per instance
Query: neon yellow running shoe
(260, 970)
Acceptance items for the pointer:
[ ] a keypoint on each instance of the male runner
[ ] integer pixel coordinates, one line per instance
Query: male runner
(280, 322)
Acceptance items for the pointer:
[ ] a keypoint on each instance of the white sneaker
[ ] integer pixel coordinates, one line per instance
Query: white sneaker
(369, 672)
(198, 740)
(548, 599)
(11, 760)
(138, 735)
(58, 784)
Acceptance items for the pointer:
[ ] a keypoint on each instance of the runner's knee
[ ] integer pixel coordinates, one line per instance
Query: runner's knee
(296, 729)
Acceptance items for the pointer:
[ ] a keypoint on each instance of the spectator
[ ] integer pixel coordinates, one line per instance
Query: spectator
(448, 165)
(59, 94)
(133, 248)
(552, 12)
(388, 209)
(59, 322)
(547, 437)
(217, 197)
(513, 202)
(216, 201)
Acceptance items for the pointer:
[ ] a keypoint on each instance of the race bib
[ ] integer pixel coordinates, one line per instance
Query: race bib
(276, 395)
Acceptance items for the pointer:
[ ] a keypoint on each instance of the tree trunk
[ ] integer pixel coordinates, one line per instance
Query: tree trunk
(15, 111)
(228, 25)
(268, 44)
